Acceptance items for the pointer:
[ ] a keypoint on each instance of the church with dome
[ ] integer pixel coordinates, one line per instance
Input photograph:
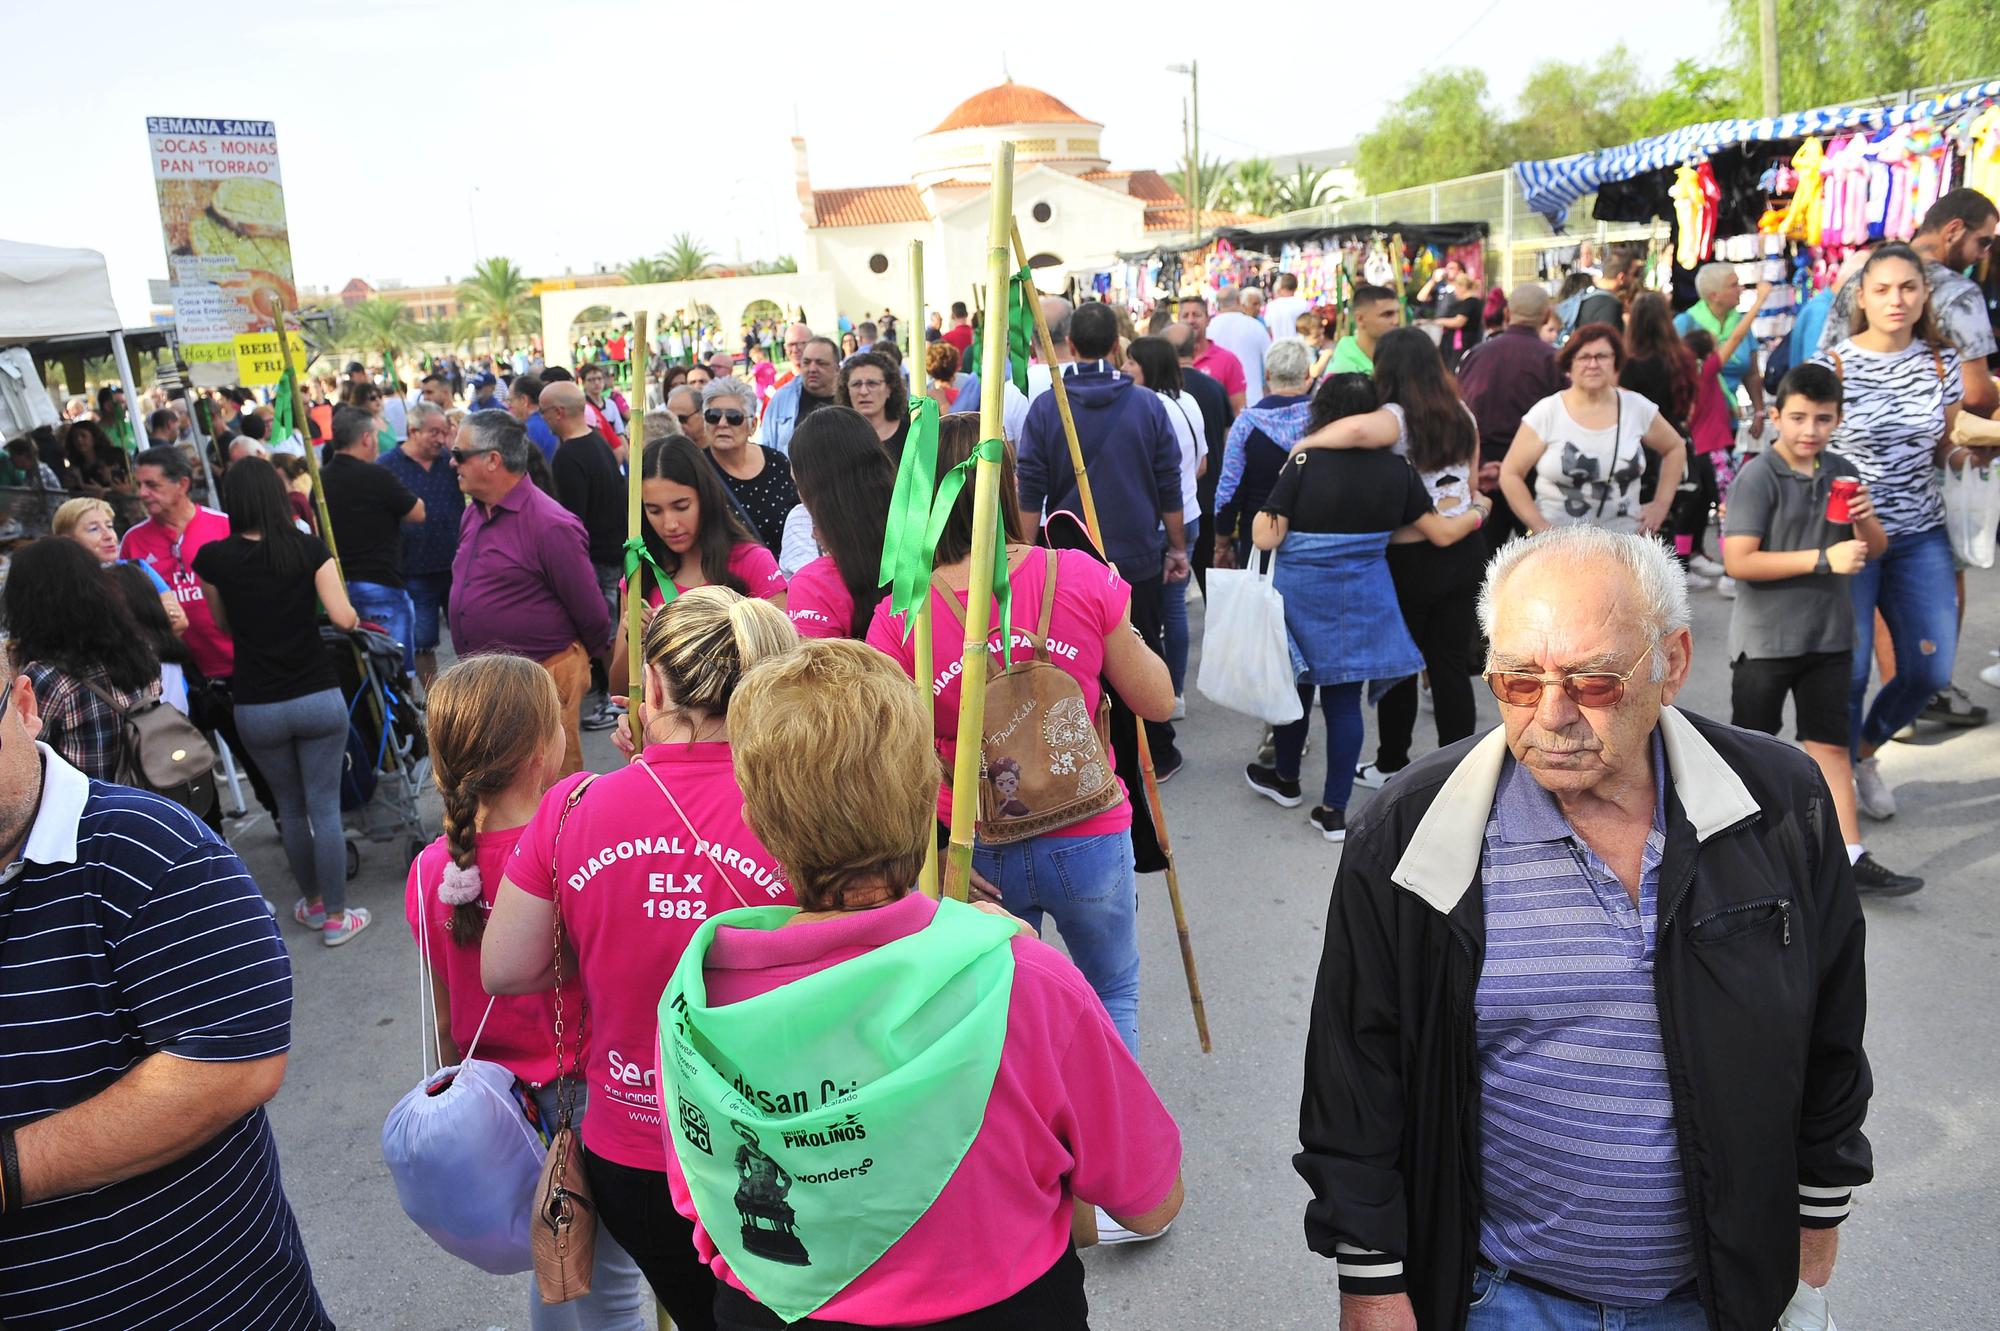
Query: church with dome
(1075, 213)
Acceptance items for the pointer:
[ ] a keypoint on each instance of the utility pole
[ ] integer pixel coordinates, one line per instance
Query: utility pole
(1767, 51)
(1187, 164)
(1193, 70)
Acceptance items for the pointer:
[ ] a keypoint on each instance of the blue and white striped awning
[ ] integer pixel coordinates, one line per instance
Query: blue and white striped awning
(1551, 187)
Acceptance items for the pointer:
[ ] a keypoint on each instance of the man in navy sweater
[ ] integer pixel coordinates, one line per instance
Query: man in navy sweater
(1133, 459)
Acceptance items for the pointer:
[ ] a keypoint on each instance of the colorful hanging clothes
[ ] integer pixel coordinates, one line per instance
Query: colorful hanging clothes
(1711, 201)
(1686, 195)
(1982, 157)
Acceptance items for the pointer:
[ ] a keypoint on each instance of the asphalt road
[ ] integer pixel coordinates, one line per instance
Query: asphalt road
(1255, 877)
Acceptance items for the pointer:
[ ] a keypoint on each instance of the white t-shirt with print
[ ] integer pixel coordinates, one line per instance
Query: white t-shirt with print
(1591, 475)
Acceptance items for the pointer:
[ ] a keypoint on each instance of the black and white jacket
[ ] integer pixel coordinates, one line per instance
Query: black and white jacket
(1762, 998)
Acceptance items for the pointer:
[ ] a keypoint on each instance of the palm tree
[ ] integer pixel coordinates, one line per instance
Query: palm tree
(1253, 188)
(784, 263)
(1214, 183)
(1306, 187)
(381, 325)
(641, 271)
(686, 260)
(502, 298)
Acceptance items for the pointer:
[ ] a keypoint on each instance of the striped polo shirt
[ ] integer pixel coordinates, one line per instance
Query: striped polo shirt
(1579, 1160)
(128, 931)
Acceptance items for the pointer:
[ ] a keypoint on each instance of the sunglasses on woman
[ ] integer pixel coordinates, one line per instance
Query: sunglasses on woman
(1586, 688)
(715, 416)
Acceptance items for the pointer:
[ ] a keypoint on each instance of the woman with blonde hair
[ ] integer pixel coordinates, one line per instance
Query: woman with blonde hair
(643, 855)
(89, 522)
(496, 743)
(862, 1082)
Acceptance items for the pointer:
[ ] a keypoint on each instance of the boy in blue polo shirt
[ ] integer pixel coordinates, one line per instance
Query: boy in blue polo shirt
(1791, 629)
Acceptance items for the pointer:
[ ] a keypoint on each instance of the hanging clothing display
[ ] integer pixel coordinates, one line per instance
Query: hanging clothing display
(25, 403)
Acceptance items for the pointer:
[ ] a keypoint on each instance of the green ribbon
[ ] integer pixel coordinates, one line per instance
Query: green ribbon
(906, 559)
(949, 486)
(1020, 333)
(637, 553)
(282, 424)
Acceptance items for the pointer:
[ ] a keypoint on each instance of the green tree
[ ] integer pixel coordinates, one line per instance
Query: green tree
(784, 263)
(685, 260)
(378, 325)
(1253, 186)
(1961, 41)
(1693, 93)
(1829, 50)
(641, 271)
(501, 298)
(1306, 187)
(1214, 183)
(1444, 126)
(1571, 108)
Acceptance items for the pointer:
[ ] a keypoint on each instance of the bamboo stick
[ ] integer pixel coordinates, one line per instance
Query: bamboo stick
(1145, 749)
(985, 525)
(927, 877)
(303, 424)
(635, 481)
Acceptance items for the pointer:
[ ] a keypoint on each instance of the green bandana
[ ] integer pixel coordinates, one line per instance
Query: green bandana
(1719, 329)
(817, 1122)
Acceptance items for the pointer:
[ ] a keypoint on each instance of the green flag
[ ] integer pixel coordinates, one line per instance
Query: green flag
(1020, 333)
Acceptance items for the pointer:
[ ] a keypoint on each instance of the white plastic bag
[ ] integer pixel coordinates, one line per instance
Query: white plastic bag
(1246, 659)
(1972, 512)
(1806, 1312)
(465, 1162)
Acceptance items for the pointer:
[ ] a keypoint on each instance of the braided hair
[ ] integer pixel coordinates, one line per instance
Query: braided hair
(489, 717)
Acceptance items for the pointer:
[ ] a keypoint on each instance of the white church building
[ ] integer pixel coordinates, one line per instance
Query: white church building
(1074, 212)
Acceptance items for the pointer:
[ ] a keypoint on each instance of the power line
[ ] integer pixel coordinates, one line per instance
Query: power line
(1463, 33)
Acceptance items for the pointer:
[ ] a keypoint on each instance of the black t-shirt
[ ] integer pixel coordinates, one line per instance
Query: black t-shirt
(367, 504)
(273, 618)
(1348, 490)
(768, 497)
(808, 404)
(589, 484)
(1601, 307)
(1456, 342)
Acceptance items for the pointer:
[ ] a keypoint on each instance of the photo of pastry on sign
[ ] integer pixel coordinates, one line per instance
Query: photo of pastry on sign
(241, 223)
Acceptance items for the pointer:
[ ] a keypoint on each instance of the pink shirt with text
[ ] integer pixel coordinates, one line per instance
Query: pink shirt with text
(1070, 1115)
(754, 564)
(1090, 601)
(636, 884)
(521, 1034)
(819, 603)
(153, 544)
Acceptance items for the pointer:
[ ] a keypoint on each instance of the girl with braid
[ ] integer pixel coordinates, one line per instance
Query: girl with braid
(496, 748)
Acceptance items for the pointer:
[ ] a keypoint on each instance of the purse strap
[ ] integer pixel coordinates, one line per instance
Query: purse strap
(565, 1081)
(714, 860)
(426, 1003)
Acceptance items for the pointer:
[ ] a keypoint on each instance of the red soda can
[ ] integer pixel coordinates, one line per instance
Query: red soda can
(1844, 488)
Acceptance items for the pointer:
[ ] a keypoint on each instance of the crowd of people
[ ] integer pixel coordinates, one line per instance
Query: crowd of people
(731, 905)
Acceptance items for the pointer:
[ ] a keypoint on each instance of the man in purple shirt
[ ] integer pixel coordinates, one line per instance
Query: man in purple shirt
(522, 581)
(1500, 379)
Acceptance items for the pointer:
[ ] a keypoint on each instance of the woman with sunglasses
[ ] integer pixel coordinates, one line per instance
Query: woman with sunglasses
(760, 477)
(872, 384)
(1579, 454)
(369, 398)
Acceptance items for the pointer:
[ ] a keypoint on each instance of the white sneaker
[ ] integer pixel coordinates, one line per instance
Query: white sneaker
(1180, 709)
(1705, 566)
(1697, 583)
(1725, 587)
(1370, 777)
(1110, 1232)
(1871, 792)
(1991, 675)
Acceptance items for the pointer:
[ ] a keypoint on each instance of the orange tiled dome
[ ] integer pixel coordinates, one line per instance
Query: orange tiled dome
(1009, 104)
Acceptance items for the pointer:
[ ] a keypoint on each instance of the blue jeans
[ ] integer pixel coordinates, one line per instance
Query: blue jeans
(1173, 609)
(1913, 584)
(1501, 1304)
(430, 597)
(1342, 705)
(1086, 884)
(389, 607)
(300, 745)
(619, 1299)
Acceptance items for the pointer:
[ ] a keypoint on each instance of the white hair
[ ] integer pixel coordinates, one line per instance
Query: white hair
(732, 387)
(421, 414)
(1658, 581)
(1289, 361)
(1712, 277)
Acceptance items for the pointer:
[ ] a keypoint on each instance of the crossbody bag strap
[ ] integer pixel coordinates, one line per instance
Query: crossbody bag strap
(1048, 610)
(714, 860)
(555, 912)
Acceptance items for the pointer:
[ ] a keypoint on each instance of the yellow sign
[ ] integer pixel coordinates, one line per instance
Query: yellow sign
(258, 360)
(209, 353)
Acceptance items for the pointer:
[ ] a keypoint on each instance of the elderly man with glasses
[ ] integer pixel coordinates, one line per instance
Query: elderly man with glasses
(1586, 1039)
(429, 547)
(522, 581)
(817, 360)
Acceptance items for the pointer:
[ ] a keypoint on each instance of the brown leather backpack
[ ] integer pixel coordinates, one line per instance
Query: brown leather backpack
(1042, 761)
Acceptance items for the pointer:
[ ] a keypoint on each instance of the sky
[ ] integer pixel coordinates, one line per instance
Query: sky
(417, 136)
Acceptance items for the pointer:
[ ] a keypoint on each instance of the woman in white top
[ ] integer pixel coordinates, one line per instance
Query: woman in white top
(1579, 453)
(1151, 363)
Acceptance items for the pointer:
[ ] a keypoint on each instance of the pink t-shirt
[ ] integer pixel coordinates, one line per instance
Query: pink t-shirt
(754, 564)
(819, 602)
(637, 884)
(1070, 1115)
(1220, 364)
(1090, 600)
(1709, 424)
(521, 1034)
(153, 544)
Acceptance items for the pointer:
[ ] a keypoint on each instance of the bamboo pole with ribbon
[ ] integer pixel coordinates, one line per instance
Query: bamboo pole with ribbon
(986, 579)
(1145, 752)
(300, 423)
(635, 547)
(925, 668)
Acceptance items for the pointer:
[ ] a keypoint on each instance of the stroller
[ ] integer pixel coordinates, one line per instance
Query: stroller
(388, 753)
